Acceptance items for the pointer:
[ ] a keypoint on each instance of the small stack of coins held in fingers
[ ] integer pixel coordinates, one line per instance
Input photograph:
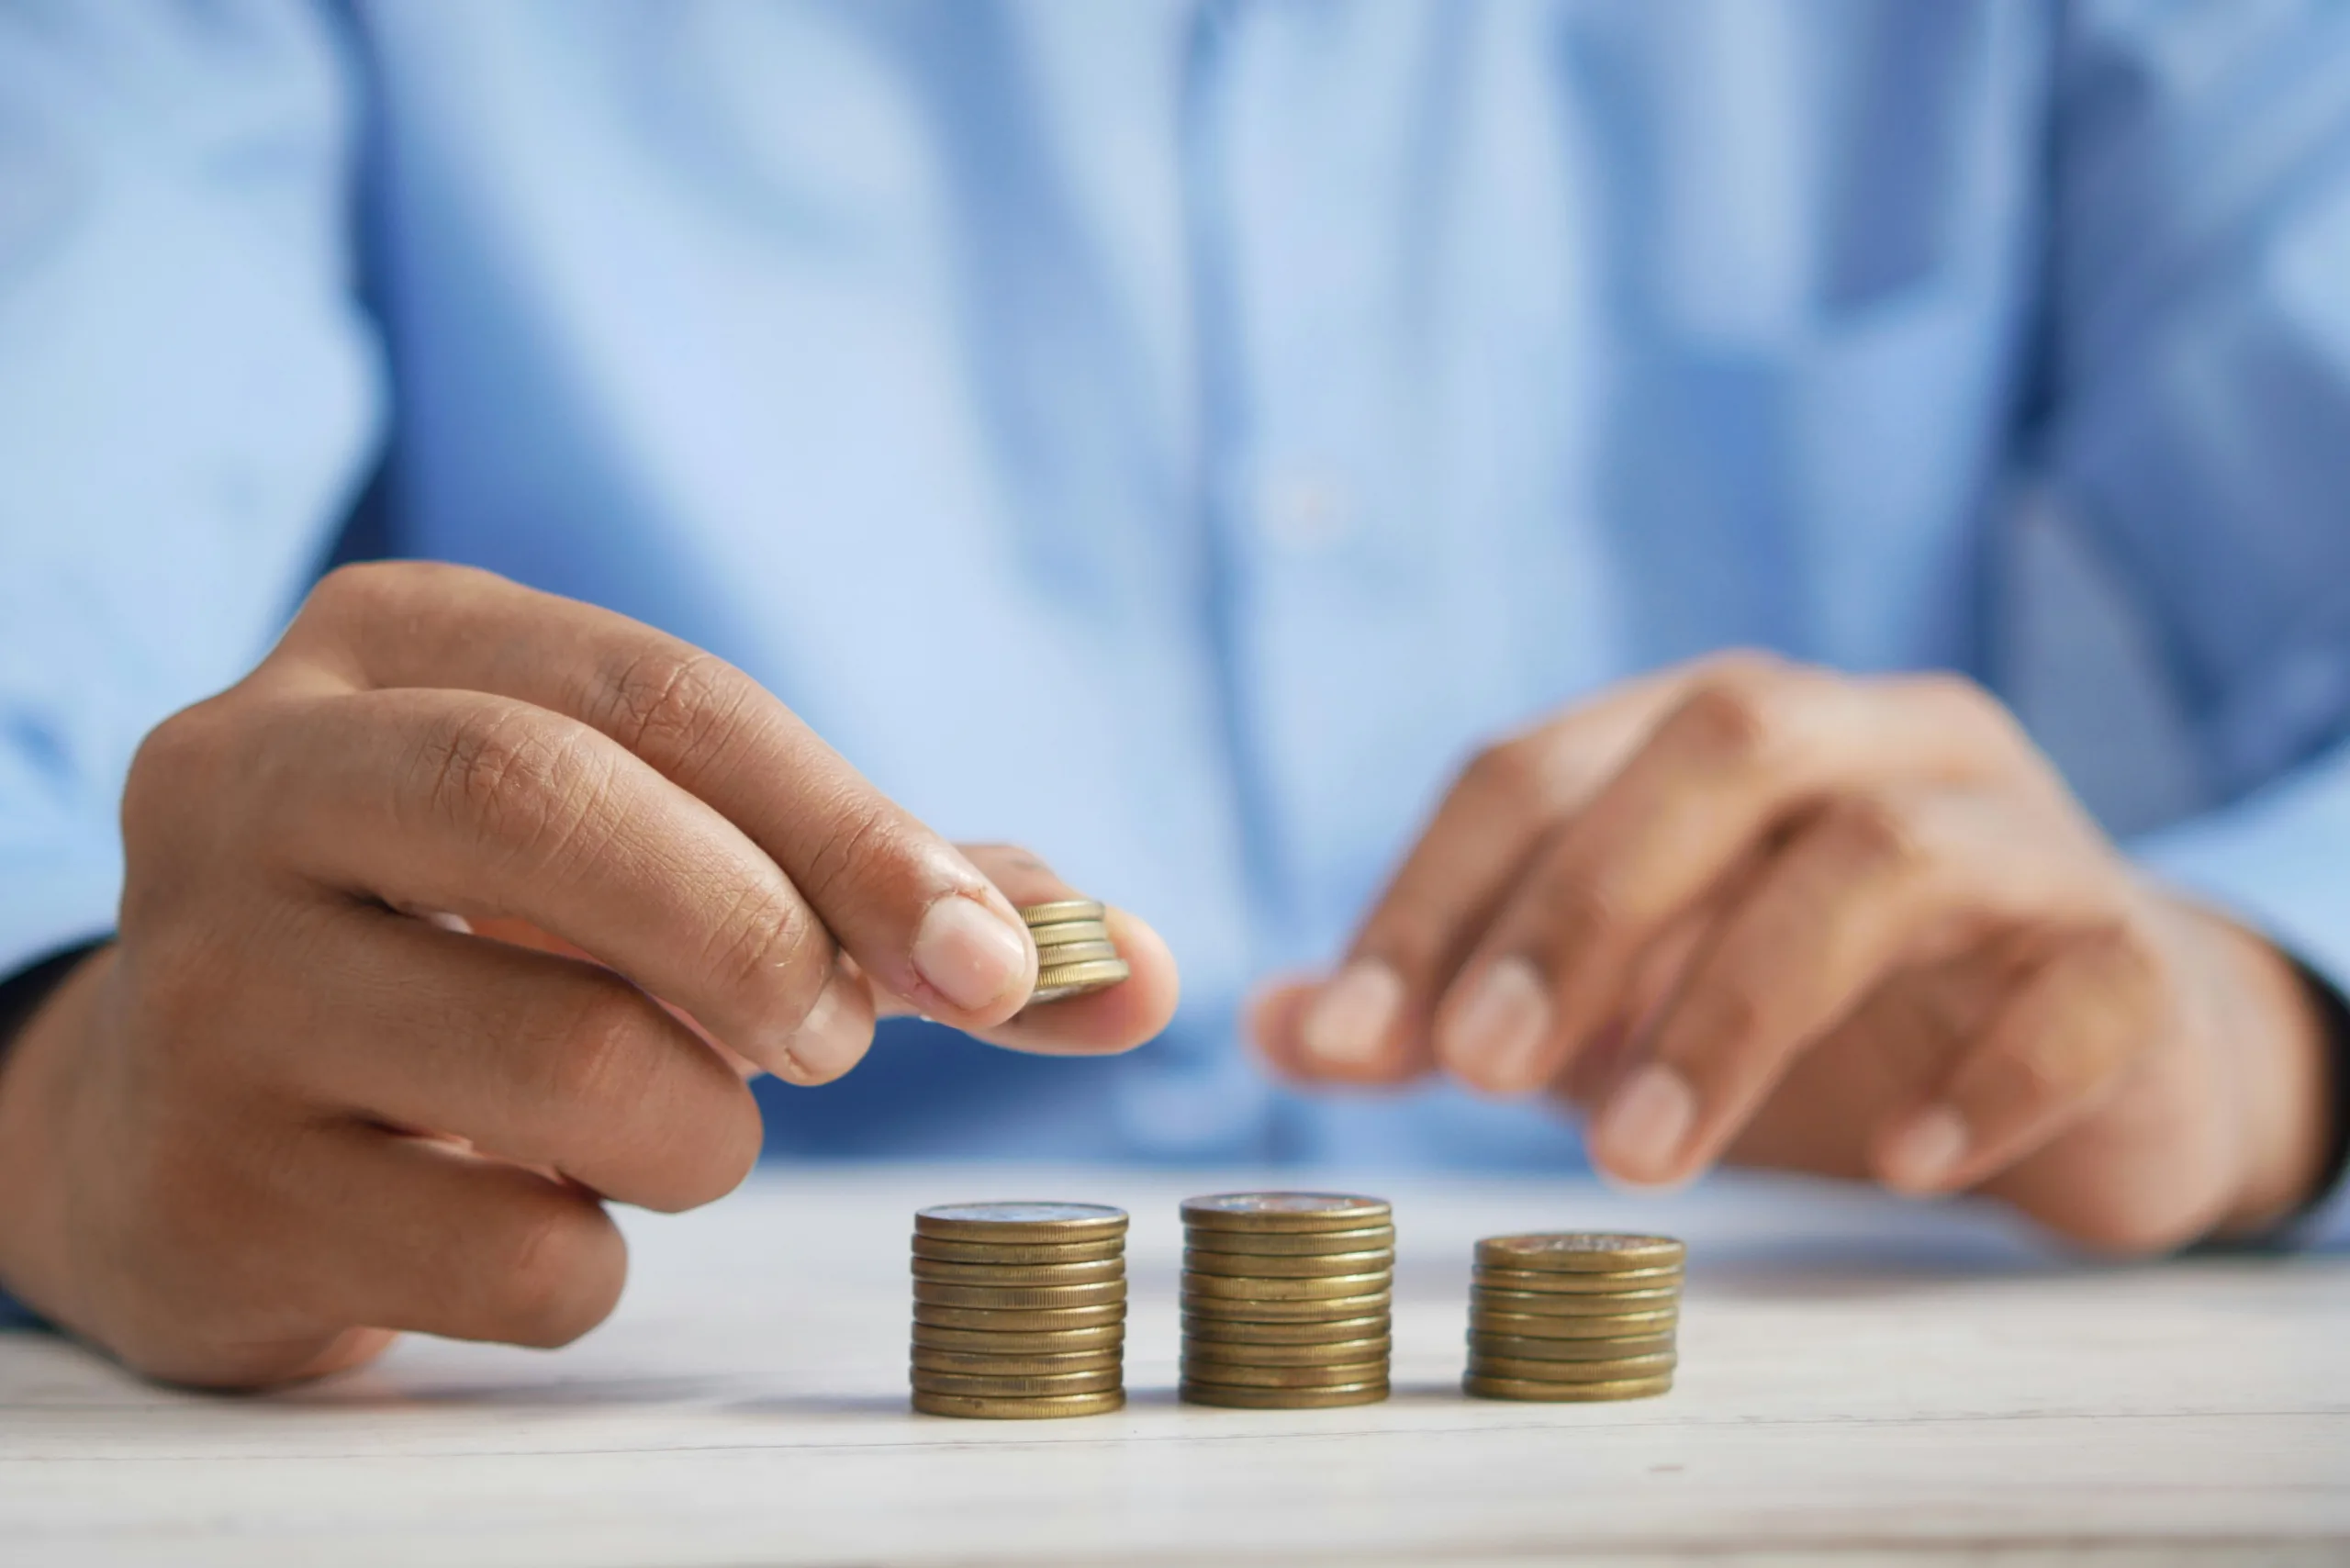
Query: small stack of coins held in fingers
(1074, 953)
(1020, 1310)
(1286, 1299)
(1573, 1315)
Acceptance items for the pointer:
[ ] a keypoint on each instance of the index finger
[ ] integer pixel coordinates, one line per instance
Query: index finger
(913, 911)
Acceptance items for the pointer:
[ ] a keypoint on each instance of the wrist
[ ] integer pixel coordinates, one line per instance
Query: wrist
(35, 1120)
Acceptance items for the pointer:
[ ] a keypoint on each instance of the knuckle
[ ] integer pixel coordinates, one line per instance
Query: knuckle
(862, 832)
(510, 781)
(678, 708)
(1726, 720)
(769, 947)
(562, 1274)
(1580, 912)
(1963, 701)
(1870, 833)
(601, 1060)
(1508, 776)
(1731, 1013)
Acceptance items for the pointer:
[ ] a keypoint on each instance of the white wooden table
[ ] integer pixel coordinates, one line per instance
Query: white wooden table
(1859, 1382)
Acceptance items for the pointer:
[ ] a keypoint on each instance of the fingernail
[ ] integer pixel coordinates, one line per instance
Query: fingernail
(835, 1033)
(1923, 1154)
(1349, 1021)
(1497, 1035)
(1640, 1129)
(967, 954)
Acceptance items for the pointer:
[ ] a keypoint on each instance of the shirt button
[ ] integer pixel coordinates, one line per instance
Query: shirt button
(1304, 513)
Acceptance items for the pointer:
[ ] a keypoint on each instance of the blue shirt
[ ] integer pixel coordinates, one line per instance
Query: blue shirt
(1263, 403)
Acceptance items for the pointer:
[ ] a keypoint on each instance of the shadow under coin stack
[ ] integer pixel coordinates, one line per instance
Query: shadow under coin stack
(1576, 1315)
(1020, 1310)
(1074, 953)
(1286, 1298)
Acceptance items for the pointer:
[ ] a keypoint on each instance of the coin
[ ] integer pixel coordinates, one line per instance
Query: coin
(1549, 1303)
(1290, 1212)
(984, 1363)
(1483, 1365)
(1109, 1338)
(1226, 1375)
(1489, 1320)
(1026, 1297)
(1249, 1266)
(1067, 933)
(1000, 1253)
(1522, 1348)
(1288, 1311)
(1310, 1244)
(1097, 1272)
(1059, 980)
(1281, 1398)
(1068, 953)
(1217, 1287)
(1580, 1250)
(1337, 1352)
(1021, 1222)
(1588, 1282)
(1042, 1407)
(1229, 1331)
(1012, 1321)
(1015, 1387)
(1520, 1388)
(1058, 910)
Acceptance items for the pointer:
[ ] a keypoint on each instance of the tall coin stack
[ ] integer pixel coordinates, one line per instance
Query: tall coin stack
(1286, 1298)
(1074, 953)
(1581, 1315)
(1020, 1309)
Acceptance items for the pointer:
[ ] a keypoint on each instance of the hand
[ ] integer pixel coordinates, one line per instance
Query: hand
(1856, 927)
(295, 1106)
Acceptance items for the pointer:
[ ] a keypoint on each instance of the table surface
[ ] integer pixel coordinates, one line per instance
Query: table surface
(1860, 1381)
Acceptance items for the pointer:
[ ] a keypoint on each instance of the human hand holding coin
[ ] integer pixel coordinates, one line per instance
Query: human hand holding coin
(1777, 916)
(301, 1103)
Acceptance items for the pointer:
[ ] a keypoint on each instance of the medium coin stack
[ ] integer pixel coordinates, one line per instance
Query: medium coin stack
(1582, 1315)
(1020, 1309)
(1285, 1299)
(1074, 953)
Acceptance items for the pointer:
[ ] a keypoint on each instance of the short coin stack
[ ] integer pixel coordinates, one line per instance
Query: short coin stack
(1020, 1309)
(1074, 953)
(1286, 1298)
(1580, 1316)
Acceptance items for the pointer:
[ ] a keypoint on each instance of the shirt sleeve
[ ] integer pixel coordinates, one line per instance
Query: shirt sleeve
(2198, 418)
(188, 396)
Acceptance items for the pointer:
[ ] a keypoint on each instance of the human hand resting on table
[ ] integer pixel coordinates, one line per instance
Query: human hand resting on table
(285, 1115)
(1752, 912)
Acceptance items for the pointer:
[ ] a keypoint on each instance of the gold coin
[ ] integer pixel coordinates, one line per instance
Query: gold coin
(1486, 1320)
(1098, 1271)
(1021, 1222)
(1249, 1266)
(1337, 1352)
(1328, 1311)
(1067, 933)
(1000, 1253)
(1568, 1392)
(1547, 1303)
(1279, 1244)
(1026, 1297)
(1003, 1386)
(1289, 1212)
(1623, 1367)
(1226, 1374)
(981, 1363)
(1281, 1398)
(1105, 1338)
(1517, 1347)
(1056, 981)
(1059, 910)
(1332, 1331)
(1558, 1282)
(1218, 1287)
(1069, 953)
(1042, 1407)
(1581, 1251)
(1006, 1320)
